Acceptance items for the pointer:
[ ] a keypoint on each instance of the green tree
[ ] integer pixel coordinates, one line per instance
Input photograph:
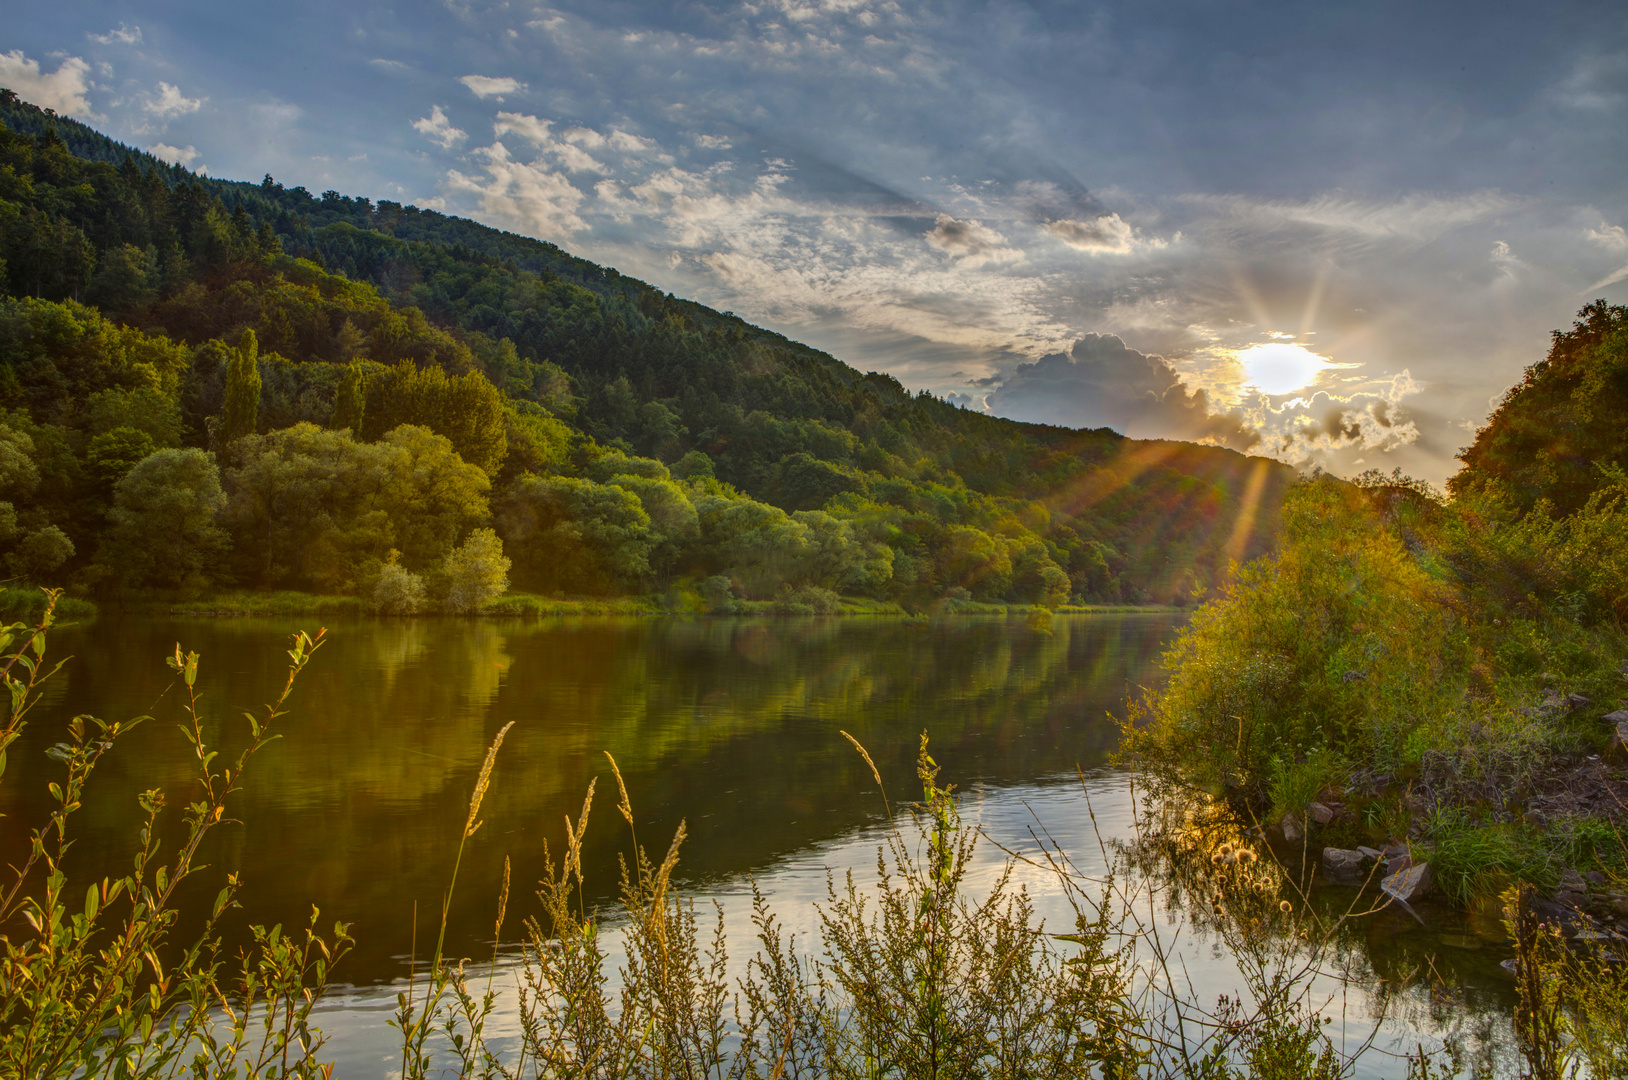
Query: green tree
(468, 410)
(40, 554)
(163, 522)
(476, 572)
(350, 401)
(241, 409)
(568, 533)
(112, 454)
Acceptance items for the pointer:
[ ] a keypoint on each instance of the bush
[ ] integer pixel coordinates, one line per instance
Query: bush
(399, 591)
(477, 572)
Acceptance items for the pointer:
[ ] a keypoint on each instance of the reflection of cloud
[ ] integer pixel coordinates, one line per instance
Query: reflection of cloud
(1105, 235)
(1104, 383)
(63, 89)
(437, 128)
(970, 243)
(484, 86)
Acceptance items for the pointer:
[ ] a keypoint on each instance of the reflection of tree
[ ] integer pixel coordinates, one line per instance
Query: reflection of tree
(731, 724)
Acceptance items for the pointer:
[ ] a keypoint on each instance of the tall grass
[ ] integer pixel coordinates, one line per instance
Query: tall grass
(99, 987)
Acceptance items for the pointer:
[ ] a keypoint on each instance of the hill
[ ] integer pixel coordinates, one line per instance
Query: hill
(622, 439)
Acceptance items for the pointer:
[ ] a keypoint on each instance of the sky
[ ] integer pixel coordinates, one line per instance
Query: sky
(1328, 233)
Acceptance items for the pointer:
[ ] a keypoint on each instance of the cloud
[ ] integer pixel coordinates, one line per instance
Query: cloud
(63, 90)
(526, 198)
(389, 65)
(1105, 235)
(484, 86)
(175, 155)
(169, 102)
(438, 129)
(1610, 237)
(1102, 382)
(539, 133)
(970, 243)
(1417, 218)
(124, 35)
(1599, 83)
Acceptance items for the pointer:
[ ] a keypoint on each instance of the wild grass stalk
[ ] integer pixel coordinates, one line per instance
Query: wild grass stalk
(100, 989)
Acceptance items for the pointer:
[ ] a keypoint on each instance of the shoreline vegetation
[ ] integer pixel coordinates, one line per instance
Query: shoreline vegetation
(1428, 688)
(29, 603)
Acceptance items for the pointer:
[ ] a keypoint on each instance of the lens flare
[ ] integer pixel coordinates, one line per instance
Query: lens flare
(1281, 368)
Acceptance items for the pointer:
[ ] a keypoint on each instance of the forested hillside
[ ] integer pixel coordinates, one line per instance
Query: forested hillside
(212, 384)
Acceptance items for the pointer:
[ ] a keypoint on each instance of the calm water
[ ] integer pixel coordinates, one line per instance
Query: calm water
(730, 725)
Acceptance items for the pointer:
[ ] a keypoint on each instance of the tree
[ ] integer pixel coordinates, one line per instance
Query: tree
(316, 509)
(567, 533)
(164, 531)
(242, 406)
(476, 572)
(350, 401)
(468, 410)
(398, 591)
(40, 554)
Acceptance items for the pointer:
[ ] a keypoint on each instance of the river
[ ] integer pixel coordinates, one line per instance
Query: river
(732, 726)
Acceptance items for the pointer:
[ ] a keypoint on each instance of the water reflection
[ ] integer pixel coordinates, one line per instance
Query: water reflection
(730, 724)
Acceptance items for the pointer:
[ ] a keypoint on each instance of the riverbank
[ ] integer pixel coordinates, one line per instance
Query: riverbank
(1425, 695)
(530, 605)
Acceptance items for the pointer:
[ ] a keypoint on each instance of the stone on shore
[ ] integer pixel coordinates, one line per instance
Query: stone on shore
(1409, 884)
(1345, 867)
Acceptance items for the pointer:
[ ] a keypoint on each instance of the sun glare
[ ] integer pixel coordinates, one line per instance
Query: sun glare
(1281, 368)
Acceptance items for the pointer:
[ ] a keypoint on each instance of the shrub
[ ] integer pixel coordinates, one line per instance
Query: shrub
(476, 572)
(399, 591)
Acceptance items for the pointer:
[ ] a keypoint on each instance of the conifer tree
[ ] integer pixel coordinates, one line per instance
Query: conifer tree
(242, 406)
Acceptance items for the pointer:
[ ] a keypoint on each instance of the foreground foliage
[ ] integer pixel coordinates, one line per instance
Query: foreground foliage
(101, 989)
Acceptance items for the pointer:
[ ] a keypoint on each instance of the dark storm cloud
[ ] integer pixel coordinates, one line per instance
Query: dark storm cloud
(1102, 382)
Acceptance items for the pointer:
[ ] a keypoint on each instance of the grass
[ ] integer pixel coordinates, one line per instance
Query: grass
(23, 604)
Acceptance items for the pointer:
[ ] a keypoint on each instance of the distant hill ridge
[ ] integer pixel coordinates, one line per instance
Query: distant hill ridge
(598, 362)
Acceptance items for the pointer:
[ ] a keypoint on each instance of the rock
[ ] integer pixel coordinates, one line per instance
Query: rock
(1410, 884)
(1572, 881)
(1536, 818)
(1319, 813)
(1571, 899)
(1577, 701)
(1371, 853)
(1616, 718)
(1619, 737)
(1345, 867)
(1397, 861)
(1595, 877)
(1511, 966)
(1353, 676)
(1292, 830)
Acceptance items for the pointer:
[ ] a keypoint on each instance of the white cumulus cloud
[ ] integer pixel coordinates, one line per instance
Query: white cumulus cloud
(485, 86)
(124, 35)
(1105, 235)
(175, 155)
(63, 90)
(437, 128)
(168, 101)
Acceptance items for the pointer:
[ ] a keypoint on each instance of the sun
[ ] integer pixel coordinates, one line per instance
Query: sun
(1281, 368)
